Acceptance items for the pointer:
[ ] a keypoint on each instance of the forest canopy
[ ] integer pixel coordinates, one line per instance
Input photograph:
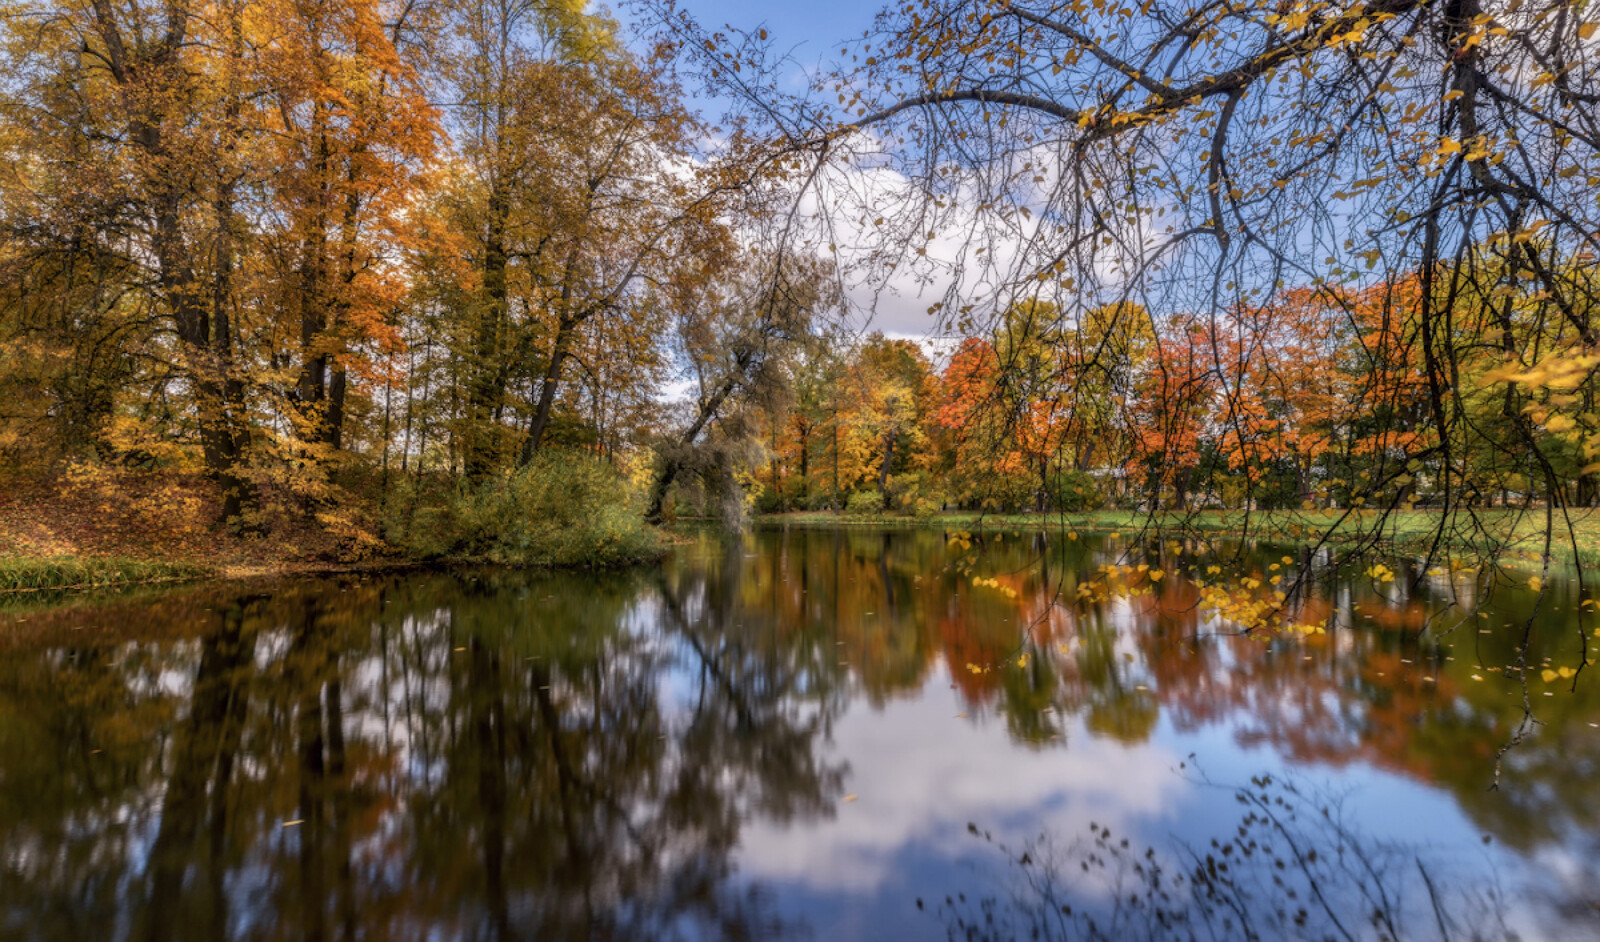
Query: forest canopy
(363, 263)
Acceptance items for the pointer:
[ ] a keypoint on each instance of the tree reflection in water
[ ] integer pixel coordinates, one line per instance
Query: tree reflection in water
(1292, 867)
(509, 755)
(492, 758)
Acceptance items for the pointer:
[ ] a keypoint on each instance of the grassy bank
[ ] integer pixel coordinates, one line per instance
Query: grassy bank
(19, 574)
(1483, 530)
(93, 528)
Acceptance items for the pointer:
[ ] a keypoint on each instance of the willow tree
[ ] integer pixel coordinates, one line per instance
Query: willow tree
(741, 325)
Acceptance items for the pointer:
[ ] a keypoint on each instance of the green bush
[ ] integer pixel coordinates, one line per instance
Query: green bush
(822, 500)
(864, 504)
(769, 502)
(1077, 491)
(563, 509)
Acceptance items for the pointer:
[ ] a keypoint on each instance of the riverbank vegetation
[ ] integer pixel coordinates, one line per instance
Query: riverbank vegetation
(30, 574)
(452, 280)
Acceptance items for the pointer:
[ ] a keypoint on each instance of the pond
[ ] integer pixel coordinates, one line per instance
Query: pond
(804, 734)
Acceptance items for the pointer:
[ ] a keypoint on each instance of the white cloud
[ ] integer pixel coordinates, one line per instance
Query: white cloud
(921, 774)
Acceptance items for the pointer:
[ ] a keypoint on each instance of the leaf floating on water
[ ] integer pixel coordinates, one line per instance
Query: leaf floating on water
(850, 797)
(290, 824)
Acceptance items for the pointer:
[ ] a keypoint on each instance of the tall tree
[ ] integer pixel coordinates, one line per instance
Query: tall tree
(155, 95)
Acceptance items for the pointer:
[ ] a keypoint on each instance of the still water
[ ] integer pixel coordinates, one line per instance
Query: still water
(800, 734)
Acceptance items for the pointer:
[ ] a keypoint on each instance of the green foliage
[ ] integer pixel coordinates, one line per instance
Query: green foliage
(33, 574)
(1009, 489)
(1076, 491)
(916, 493)
(563, 509)
(867, 503)
(770, 502)
(822, 500)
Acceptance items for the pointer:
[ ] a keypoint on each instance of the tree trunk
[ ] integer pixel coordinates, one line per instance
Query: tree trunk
(673, 466)
(835, 460)
(883, 470)
(547, 390)
(483, 391)
(333, 418)
(566, 333)
(804, 434)
(777, 483)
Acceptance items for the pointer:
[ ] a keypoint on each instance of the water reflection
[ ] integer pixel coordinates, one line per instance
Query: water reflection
(491, 758)
(1292, 866)
(669, 753)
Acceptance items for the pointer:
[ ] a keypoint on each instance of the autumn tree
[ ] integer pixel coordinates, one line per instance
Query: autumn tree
(352, 131)
(1172, 413)
(129, 118)
(569, 207)
(888, 398)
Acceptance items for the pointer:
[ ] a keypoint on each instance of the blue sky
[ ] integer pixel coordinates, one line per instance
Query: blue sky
(812, 25)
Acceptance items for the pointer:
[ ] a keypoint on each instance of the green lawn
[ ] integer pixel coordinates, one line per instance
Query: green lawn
(1480, 530)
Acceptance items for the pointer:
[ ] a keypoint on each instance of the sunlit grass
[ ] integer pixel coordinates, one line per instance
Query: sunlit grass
(46, 574)
(1498, 530)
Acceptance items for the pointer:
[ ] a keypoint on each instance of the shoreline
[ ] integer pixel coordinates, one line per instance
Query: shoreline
(1506, 531)
(177, 573)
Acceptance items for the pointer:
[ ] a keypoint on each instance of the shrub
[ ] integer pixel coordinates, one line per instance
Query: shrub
(563, 509)
(864, 504)
(822, 500)
(1077, 491)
